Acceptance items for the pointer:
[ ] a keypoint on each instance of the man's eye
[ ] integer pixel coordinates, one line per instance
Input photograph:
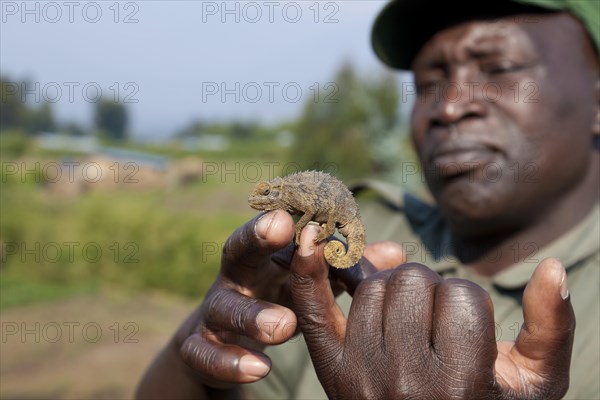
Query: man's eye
(427, 86)
(497, 69)
(429, 81)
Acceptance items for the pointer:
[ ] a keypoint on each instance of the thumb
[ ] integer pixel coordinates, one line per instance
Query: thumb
(385, 254)
(546, 338)
(320, 318)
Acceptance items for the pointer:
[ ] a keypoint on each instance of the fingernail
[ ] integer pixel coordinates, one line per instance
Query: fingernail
(268, 320)
(253, 366)
(564, 290)
(307, 239)
(261, 228)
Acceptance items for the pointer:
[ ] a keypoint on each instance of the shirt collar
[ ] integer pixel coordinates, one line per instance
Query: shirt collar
(577, 244)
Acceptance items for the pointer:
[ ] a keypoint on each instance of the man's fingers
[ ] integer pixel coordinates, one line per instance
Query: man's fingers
(385, 255)
(227, 310)
(320, 318)
(230, 313)
(546, 338)
(464, 333)
(252, 244)
(408, 306)
(217, 362)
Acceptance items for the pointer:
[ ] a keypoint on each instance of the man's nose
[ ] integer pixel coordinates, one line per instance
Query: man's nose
(459, 98)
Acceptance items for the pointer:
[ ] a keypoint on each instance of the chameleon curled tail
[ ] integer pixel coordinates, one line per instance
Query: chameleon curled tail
(335, 252)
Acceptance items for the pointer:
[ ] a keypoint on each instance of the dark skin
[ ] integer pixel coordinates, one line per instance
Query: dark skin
(435, 337)
(539, 140)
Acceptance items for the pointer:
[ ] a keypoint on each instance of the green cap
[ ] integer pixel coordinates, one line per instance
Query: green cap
(403, 26)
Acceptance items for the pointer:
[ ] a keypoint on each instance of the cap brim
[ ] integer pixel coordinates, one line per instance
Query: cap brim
(404, 26)
(396, 37)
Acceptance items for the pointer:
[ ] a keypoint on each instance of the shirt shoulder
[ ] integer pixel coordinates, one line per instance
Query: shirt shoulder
(584, 283)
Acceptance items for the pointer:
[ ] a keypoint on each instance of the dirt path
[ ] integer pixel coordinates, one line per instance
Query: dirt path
(92, 347)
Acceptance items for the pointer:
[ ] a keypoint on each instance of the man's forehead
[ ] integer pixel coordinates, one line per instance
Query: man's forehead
(476, 39)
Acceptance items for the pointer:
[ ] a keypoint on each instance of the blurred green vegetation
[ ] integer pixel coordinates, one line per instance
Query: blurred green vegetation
(171, 239)
(351, 130)
(17, 290)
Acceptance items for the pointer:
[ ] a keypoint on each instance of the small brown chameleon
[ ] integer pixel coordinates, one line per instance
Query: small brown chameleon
(322, 198)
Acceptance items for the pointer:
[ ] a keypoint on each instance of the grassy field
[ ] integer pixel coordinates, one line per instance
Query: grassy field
(158, 239)
(137, 240)
(92, 286)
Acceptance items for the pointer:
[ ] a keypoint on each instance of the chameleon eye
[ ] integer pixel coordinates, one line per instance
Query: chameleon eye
(263, 188)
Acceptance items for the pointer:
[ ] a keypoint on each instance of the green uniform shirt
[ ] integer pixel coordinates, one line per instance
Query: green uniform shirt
(398, 216)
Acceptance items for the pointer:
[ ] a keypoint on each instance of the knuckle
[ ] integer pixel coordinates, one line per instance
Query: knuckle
(372, 284)
(231, 310)
(413, 277)
(214, 363)
(234, 244)
(416, 270)
(464, 290)
(243, 316)
(243, 238)
(198, 354)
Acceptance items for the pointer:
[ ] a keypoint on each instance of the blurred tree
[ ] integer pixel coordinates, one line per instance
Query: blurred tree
(111, 117)
(39, 119)
(16, 113)
(12, 108)
(242, 131)
(341, 132)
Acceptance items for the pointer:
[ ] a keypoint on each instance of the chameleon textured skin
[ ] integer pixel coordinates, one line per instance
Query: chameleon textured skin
(318, 197)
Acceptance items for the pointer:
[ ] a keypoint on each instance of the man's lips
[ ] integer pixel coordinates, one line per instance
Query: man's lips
(452, 159)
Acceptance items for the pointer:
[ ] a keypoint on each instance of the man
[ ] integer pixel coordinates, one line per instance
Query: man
(507, 127)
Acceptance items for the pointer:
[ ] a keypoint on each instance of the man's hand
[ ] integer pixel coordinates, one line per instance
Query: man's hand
(411, 334)
(220, 344)
(248, 307)
(242, 311)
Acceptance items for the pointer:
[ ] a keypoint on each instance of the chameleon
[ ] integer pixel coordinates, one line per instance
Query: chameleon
(318, 197)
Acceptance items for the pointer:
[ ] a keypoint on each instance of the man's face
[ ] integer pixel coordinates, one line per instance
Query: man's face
(503, 119)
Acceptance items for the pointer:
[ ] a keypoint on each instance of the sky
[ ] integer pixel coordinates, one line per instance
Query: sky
(173, 62)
